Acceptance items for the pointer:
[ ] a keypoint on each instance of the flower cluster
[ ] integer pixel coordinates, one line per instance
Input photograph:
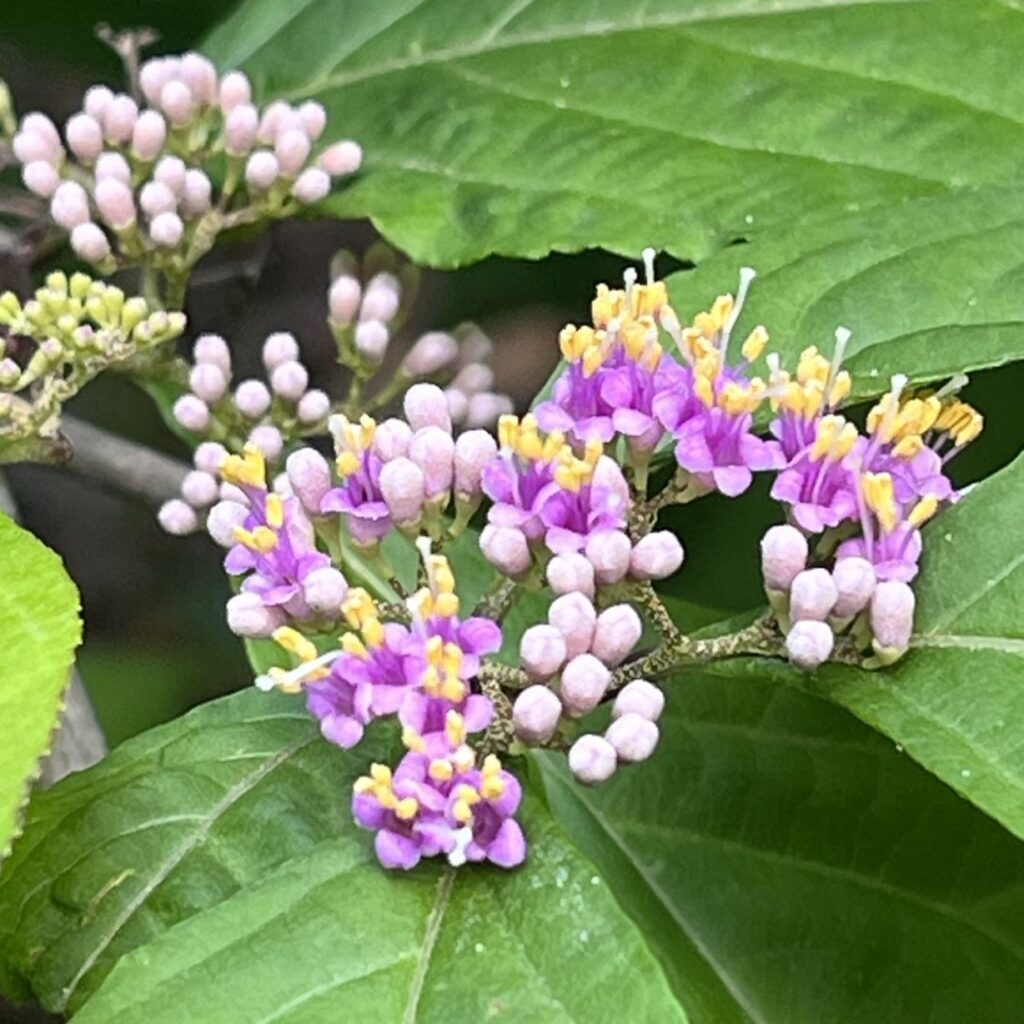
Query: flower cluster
(138, 187)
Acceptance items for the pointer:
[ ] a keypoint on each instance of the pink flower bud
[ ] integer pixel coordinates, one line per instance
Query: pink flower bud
(433, 450)
(403, 485)
(584, 682)
(212, 348)
(41, 178)
(313, 406)
(199, 489)
(69, 206)
(40, 124)
(229, 492)
(116, 203)
(310, 477)
(171, 172)
(854, 579)
(148, 136)
(222, 520)
(177, 102)
(783, 554)
(119, 118)
(809, 643)
(248, 616)
(639, 698)
(324, 590)
(473, 450)
(89, 243)
(616, 634)
(114, 166)
(155, 74)
(371, 340)
(571, 573)
(200, 76)
(252, 398)
(432, 352)
(542, 652)
(156, 198)
(268, 439)
(195, 197)
(234, 89)
(280, 347)
(485, 409)
(892, 615)
(392, 439)
(458, 404)
(424, 406)
(573, 615)
(311, 186)
(656, 556)
(506, 549)
(273, 117)
(474, 378)
(291, 148)
(609, 552)
(209, 457)
(289, 380)
(31, 146)
(592, 759)
(207, 382)
(381, 298)
(240, 128)
(261, 170)
(633, 737)
(177, 517)
(97, 99)
(85, 137)
(811, 595)
(608, 476)
(192, 413)
(166, 230)
(314, 119)
(341, 158)
(535, 714)
(344, 298)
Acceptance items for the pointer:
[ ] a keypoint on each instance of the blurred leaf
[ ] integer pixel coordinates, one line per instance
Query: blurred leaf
(41, 628)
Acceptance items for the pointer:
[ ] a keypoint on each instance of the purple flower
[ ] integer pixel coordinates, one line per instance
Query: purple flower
(359, 498)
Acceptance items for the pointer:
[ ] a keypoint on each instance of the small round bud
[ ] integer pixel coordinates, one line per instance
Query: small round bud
(458, 404)
(155, 74)
(89, 242)
(195, 197)
(96, 100)
(192, 413)
(474, 378)
(41, 178)
(222, 519)
(177, 517)
(248, 616)
(85, 137)
(166, 230)
(116, 203)
(341, 158)
(156, 198)
(234, 89)
(639, 698)
(171, 172)
(344, 298)
(892, 615)
(473, 450)
(633, 737)
(535, 714)
(311, 186)
(261, 170)
(424, 406)
(229, 492)
(392, 439)
(41, 125)
(252, 398)
(148, 136)
(486, 408)
(784, 553)
(542, 652)
(505, 547)
(313, 406)
(280, 347)
(69, 206)
(403, 485)
(592, 759)
(113, 165)
(291, 148)
(200, 76)
(381, 298)
(812, 595)
(324, 590)
(272, 120)
(854, 579)
(313, 118)
(209, 456)
(199, 489)
(207, 382)
(309, 476)
(584, 682)
(656, 556)
(433, 450)
(609, 552)
(616, 634)
(809, 643)
(240, 128)
(177, 102)
(432, 352)
(212, 348)
(119, 118)
(31, 146)
(573, 615)
(571, 573)
(371, 340)
(289, 380)
(268, 439)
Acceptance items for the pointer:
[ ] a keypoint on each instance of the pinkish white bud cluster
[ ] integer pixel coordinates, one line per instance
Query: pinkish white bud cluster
(136, 181)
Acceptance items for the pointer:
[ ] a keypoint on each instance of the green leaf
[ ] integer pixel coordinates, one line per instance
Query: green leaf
(677, 124)
(788, 866)
(40, 627)
(233, 824)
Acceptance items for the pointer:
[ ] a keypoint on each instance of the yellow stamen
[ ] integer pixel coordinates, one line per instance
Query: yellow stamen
(413, 741)
(923, 511)
(440, 771)
(755, 344)
(295, 643)
(262, 540)
(407, 808)
(249, 468)
(275, 511)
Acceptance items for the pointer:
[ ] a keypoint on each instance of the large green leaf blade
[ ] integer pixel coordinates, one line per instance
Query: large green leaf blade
(41, 628)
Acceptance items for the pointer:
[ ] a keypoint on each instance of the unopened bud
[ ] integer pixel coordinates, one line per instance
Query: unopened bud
(535, 714)
(892, 615)
(392, 439)
(608, 477)
(542, 651)
(96, 100)
(309, 476)
(616, 634)
(633, 737)
(341, 158)
(171, 171)
(207, 382)
(639, 697)
(234, 89)
(592, 759)
(433, 450)
(166, 230)
(291, 148)
(784, 553)
(458, 404)
(178, 103)
(209, 457)
(199, 489)
(433, 351)
(248, 616)
(344, 298)
(473, 450)
(854, 579)
(261, 170)
(313, 118)
(311, 186)
(116, 203)
(656, 556)
(89, 242)
(425, 406)
(240, 128)
(403, 485)
(584, 682)
(195, 197)
(148, 136)
(200, 76)
(119, 118)
(486, 408)
(812, 595)
(280, 347)
(177, 517)
(474, 378)
(85, 137)
(113, 165)
(272, 119)
(505, 547)
(192, 413)
(571, 573)
(809, 643)
(30, 146)
(313, 406)
(289, 380)
(381, 298)
(324, 590)
(155, 74)
(156, 198)
(41, 178)
(371, 340)
(222, 519)
(212, 348)
(609, 552)
(268, 439)
(574, 616)
(69, 206)
(252, 398)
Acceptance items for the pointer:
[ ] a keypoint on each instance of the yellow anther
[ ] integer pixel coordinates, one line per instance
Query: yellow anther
(441, 574)
(275, 511)
(880, 498)
(358, 608)
(295, 643)
(652, 357)
(829, 428)
(431, 681)
(923, 511)
(440, 771)
(634, 336)
(467, 794)
(705, 391)
(491, 766)
(380, 773)
(373, 632)
(348, 463)
(249, 468)
(387, 799)
(508, 431)
(607, 305)
(812, 366)
(455, 728)
(407, 808)
(453, 689)
(574, 342)
(721, 311)
(446, 605)
(493, 788)
(351, 644)
(363, 785)
(262, 540)
(462, 812)
(840, 389)
(413, 741)
(434, 650)
(283, 682)
(553, 446)
(908, 447)
(755, 344)
(647, 299)
(452, 658)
